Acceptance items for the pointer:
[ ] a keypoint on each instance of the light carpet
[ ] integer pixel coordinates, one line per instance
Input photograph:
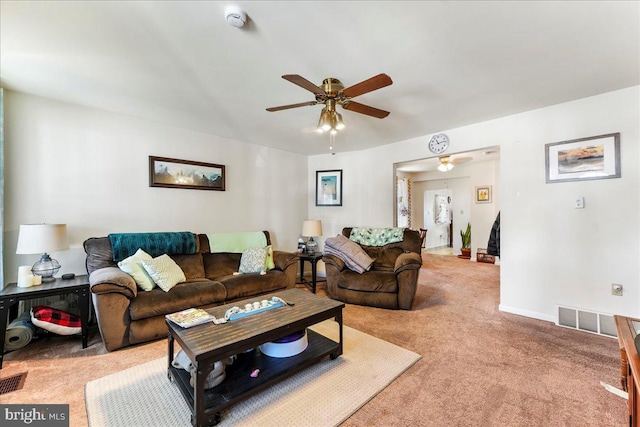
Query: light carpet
(322, 395)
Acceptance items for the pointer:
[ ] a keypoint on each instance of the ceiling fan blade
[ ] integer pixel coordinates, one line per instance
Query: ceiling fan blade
(460, 160)
(365, 109)
(303, 83)
(369, 85)
(286, 107)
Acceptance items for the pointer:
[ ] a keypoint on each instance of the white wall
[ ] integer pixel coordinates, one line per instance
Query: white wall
(89, 169)
(551, 253)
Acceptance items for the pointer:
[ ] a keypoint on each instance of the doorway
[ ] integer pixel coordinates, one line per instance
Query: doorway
(446, 208)
(471, 169)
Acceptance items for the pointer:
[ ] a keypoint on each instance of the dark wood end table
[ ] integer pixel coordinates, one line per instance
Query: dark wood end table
(207, 343)
(313, 260)
(12, 294)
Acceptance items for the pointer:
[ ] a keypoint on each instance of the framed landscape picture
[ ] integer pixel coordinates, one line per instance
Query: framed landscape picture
(329, 188)
(483, 194)
(596, 157)
(175, 173)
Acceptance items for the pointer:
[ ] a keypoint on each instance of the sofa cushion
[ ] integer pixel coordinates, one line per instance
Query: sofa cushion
(164, 271)
(372, 281)
(99, 253)
(385, 256)
(191, 265)
(134, 268)
(248, 285)
(192, 293)
(220, 264)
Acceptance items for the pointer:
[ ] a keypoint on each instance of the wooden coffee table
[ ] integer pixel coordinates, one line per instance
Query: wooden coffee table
(205, 344)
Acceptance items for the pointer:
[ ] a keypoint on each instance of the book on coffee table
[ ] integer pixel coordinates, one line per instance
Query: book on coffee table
(190, 317)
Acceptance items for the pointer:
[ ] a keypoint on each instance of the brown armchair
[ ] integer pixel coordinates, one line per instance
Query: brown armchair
(391, 281)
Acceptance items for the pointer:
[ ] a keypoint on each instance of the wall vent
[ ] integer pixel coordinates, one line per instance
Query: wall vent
(587, 321)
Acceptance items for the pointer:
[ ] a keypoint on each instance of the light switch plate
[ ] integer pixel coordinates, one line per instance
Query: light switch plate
(579, 203)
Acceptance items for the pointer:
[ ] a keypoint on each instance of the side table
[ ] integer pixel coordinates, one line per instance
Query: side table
(313, 260)
(12, 294)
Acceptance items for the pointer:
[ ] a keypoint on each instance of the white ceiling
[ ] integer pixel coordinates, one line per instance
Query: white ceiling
(452, 63)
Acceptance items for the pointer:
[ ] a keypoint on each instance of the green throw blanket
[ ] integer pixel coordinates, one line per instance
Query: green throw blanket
(236, 242)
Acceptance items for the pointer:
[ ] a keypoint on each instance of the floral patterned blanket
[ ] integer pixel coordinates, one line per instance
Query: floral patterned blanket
(377, 236)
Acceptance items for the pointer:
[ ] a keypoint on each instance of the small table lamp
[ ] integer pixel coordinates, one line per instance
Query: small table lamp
(43, 238)
(312, 228)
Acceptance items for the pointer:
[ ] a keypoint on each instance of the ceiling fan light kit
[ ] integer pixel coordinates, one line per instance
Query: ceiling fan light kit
(445, 165)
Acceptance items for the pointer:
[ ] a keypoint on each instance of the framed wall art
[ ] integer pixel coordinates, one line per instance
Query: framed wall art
(596, 157)
(329, 188)
(175, 173)
(483, 194)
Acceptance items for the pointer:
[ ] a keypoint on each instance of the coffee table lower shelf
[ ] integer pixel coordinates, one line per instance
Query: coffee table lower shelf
(238, 383)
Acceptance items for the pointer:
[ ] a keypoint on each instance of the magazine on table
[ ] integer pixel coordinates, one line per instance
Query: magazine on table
(190, 317)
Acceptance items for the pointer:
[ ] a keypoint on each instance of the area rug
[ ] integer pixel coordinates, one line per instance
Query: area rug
(323, 395)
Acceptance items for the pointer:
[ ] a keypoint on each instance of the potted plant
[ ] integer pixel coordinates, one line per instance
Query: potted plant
(466, 242)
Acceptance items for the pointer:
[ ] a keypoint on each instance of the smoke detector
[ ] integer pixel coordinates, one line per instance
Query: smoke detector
(235, 16)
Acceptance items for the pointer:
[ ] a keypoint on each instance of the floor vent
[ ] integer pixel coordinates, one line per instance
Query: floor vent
(588, 321)
(12, 383)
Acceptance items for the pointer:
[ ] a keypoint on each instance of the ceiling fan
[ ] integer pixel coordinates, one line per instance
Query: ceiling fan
(333, 93)
(447, 162)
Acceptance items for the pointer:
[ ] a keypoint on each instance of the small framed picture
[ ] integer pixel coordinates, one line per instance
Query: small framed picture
(329, 188)
(483, 194)
(596, 157)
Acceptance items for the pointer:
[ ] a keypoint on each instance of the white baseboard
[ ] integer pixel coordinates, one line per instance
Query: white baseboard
(527, 313)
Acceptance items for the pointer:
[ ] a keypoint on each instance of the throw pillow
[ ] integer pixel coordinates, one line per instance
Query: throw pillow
(133, 267)
(56, 321)
(254, 260)
(164, 271)
(270, 264)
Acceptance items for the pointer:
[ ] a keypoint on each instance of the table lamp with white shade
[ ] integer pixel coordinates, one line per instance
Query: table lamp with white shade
(312, 228)
(43, 238)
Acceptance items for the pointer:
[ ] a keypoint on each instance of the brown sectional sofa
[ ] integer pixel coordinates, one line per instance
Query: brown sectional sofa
(127, 315)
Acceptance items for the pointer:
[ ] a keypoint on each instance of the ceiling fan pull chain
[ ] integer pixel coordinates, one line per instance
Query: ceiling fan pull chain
(332, 143)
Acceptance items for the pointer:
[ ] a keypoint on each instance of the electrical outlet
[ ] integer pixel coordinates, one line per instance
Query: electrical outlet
(616, 289)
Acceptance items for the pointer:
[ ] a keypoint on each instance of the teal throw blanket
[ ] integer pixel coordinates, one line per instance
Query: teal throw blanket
(124, 245)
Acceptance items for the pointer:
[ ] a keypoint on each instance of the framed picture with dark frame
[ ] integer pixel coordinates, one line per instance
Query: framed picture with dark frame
(329, 188)
(596, 157)
(175, 173)
(483, 194)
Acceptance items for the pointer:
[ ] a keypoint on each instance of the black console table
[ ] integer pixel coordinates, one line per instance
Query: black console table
(12, 294)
